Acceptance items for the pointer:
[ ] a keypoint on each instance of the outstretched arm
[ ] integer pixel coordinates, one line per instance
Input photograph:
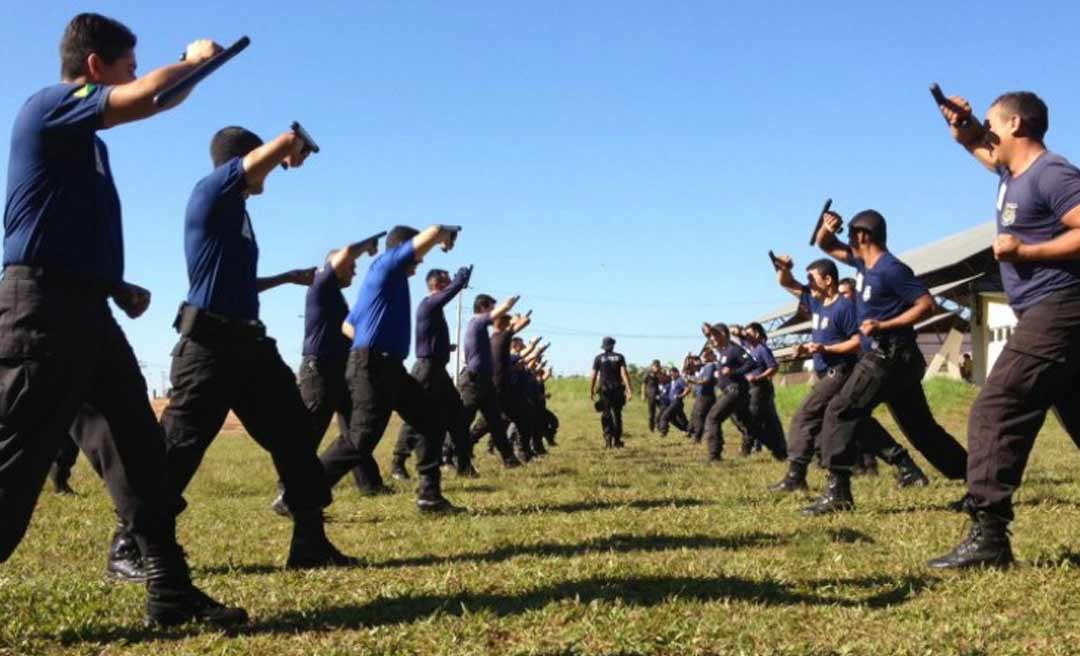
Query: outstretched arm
(785, 278)
(302, 277)
(827, 241)
(967, 131)
(134, 101)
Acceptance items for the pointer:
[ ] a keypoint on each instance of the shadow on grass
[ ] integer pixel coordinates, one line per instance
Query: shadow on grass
(591, 506)
(879, 592)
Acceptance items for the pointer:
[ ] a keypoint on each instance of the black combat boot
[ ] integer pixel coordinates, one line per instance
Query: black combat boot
(986, 545)
(172, 599)
(908, 473)
(429, 498)
(310, 548)
(963, 504)
(398, 472)
(125, 562)
(837, 497)
(793, 481)
(279, 506)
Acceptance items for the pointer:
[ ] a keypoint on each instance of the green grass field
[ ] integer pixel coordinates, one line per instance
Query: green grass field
(644, 550)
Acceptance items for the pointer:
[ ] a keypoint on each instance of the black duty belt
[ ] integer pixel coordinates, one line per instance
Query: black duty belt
(203, 326)
(59, 278)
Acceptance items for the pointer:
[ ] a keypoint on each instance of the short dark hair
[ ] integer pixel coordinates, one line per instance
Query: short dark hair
(232, 141)
(722, 329)
(433, 274)
(850, 282)
(759, 329)
(92, 33)
(482, 303)
(399, 235)
(1034, 116)
(824, 267)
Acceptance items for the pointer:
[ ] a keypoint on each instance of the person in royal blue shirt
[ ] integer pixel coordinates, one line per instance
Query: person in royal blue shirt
(674, 413)
(60, 346)
(732, 392)
(379, 324)
(477, 382)
(433, 351)
(1038, 246)
(890, 300)
(224, 360)
(833, 348)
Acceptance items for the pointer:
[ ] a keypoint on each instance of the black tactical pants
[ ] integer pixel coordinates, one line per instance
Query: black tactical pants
(325, 392)
(478, 396)
(654, 408)
(612, 400)
(446, 403)
(247, 376)
(734, 400)
(1039, 368)
(673, 415)
(698, 413)
(806, 424)
(766, 428)
(60, 347)
(379, 385)
(895, 381)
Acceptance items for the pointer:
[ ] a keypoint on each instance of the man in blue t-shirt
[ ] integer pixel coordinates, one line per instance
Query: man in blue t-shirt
(477, 382)
(433, 351)
(674, 413)
(890, 301)
(379, 325)
(225, 360)
(732, 393)
(702, 375)
(60, 346)
(834, 348)
(766, 427)
(1038, 246)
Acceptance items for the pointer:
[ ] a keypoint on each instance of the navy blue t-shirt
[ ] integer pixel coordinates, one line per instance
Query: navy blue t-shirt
(736, 358)
(676, 387)
(887, 290)
(62, 211)
(1031, 207)
(707, 376)
(380, 316)
(325, 310)
(219, 244)
(830, 324)
(432, 331)
(763, 359)
(478, 346)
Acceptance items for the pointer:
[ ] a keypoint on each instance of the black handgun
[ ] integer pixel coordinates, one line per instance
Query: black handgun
(309, 143)
(820, 220)
(942, 101)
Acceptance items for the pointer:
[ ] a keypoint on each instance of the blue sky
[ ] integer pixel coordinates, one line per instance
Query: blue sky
(625, 166)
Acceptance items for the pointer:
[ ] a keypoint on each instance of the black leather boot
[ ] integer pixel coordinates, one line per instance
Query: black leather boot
(908, 473)
(125, 562)
(172, 599)
(429, 498)
(837, 497)
(310, 548)
(398, 472)
(986, 545)
(793, 481)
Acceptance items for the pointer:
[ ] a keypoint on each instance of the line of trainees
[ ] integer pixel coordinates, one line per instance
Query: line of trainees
(67, 371)
(63, 260)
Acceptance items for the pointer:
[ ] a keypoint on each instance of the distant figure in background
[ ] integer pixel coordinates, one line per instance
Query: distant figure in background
(650, 392)
(609, 369)
(762, 393)
(675, 390)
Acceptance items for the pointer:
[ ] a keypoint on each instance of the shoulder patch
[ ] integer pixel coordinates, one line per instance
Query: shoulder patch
(85, 90)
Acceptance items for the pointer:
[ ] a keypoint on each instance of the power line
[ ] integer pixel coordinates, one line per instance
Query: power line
(634, 304)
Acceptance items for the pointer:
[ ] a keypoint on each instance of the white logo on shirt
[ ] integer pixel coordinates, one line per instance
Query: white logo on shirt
(1008, 215)
(98, 164)
(1001, 195)
(866, 292)
(858, 281)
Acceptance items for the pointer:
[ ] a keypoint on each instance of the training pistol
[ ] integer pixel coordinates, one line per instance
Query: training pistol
(821, 220)
(198, 74)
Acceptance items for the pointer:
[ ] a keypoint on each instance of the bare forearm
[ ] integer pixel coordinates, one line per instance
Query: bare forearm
(348, 330)
(269, 282)
(1065, 246)
(259, 162)
(922, 309)
(851, 345)
(135, 100)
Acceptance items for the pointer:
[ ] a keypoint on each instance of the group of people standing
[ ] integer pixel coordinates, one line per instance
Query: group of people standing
(67, 372)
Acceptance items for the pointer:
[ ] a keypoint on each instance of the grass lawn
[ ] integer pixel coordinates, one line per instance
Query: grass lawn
(644, 550)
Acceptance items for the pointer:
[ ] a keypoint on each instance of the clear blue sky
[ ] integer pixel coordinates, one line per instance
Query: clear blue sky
(623, 165)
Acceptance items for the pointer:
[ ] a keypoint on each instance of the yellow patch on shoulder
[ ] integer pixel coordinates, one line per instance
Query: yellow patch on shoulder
(85, 90)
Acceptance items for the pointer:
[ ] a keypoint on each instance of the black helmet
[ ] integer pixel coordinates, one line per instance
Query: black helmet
(607, 343)
(870, 221)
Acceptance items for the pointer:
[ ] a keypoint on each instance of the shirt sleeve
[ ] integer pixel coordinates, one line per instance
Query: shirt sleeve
(1059, 185)
(767, 357)
(845, 320)
(904, 284)
(596, 363)
(80, 108)
(401, 256)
